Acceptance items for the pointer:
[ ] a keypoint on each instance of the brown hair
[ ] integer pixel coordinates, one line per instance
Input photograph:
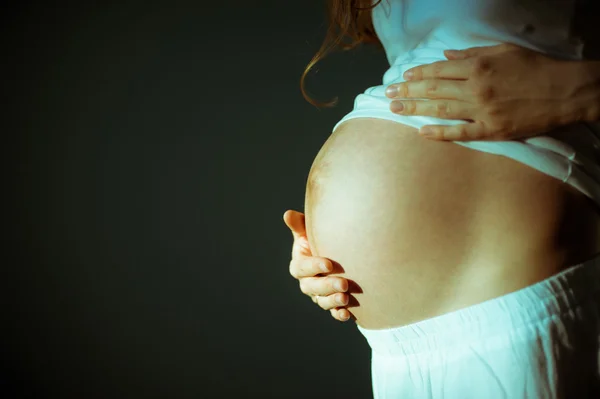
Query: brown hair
(350, 24)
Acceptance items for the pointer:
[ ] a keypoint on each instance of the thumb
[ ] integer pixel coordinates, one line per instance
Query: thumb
(295, 221)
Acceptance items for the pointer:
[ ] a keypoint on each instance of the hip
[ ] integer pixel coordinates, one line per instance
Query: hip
(500, 348)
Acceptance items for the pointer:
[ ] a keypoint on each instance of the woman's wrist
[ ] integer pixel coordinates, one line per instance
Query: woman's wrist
(584, 95)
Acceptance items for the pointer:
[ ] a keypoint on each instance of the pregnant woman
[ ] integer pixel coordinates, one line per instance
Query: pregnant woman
(469, 260)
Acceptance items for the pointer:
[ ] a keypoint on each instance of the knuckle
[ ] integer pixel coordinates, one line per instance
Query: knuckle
(326, 304)
(462, 131)
(410, 107)
(505, 129)
(403, 89)
(476, 133)
(482, 65)
(436, 69)
(321, 301)
(493, 111)
(416, 72)
(469, 52)
(331, 284)
(441, 109)
(432, 86)
(315, 266)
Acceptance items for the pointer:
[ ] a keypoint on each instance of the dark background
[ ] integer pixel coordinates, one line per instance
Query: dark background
(151, 151)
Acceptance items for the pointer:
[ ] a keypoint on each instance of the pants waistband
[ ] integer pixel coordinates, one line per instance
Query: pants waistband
(555, 296)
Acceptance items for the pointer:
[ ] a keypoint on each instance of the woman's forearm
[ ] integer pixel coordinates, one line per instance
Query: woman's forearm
(585, 96)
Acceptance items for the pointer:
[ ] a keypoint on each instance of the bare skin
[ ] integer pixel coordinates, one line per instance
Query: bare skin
(571, 215)
(420, 228)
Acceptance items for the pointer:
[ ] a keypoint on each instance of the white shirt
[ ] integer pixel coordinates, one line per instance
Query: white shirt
(416, 32)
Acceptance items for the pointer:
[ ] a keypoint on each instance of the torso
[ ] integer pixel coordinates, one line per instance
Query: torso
(425, 227)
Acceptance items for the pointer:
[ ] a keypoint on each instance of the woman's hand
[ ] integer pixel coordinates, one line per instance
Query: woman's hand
(505, 92)
(328, 292)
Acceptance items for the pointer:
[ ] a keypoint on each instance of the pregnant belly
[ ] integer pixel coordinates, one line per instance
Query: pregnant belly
(423, 227)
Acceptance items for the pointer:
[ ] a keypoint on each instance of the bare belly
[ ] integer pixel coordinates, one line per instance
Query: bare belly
(422, 227)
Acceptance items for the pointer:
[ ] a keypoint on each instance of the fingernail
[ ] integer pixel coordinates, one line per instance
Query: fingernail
(391, 91)
(408, 75)
(397, 106)
(339, 286)
(340, 301)
(324, 266)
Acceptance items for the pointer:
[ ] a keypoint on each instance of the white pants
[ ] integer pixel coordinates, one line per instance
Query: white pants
(542, 341)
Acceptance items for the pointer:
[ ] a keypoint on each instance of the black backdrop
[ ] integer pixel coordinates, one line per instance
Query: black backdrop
(151, 151)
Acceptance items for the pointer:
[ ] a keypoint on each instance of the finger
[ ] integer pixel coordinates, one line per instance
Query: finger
(444, 109)
(296, 222)
(309, 266)
(331, 301)
(474, 51)
(430, 88)
(340, 314)
(462, 132)
(445, 69)
(323, 286)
